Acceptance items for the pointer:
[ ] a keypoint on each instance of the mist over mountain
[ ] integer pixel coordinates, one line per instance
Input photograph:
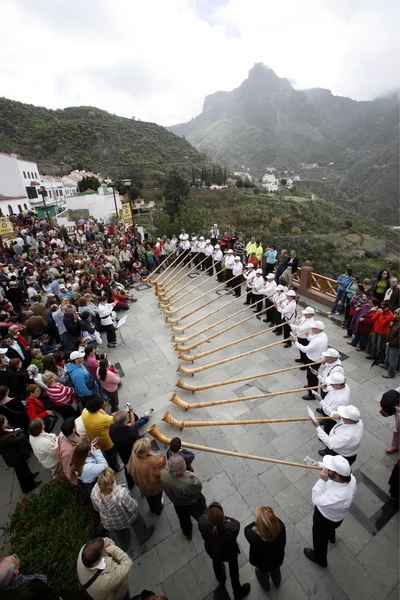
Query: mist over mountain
(265, 122)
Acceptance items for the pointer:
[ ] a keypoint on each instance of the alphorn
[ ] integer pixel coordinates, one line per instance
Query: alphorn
(156, 433)
(195, 370)
(175, 399)
(216, 334)
(168, 299)
(208, 386)
(168, 418)
(155, 271)
(169, 286)
(178, 308)
(179, 298)
(184, 327)
(171, 275)
(169, 320)
(162, 295)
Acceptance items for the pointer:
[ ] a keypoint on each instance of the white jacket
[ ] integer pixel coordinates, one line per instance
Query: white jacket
(258, 285)
(105, 311)
(44, 447)
(229, 261)
(287, 309)
(302, 326)
(237, 268)
(217, 255)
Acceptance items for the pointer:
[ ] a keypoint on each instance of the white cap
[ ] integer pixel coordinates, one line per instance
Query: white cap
(230, 251)
(250, 266)
(237, 258)
(74, 355)
(349, 412)
(201, 237)
(335, 378)
(259, 271)
(279, 288)
(338, 464)
(3, 351)
(194, 238)
(215, 225)
(208, 242)
(270, 276)
(291, 293)
(62, 287)
(318, 325)
(217, 246)
(308, 311)
(331, 352)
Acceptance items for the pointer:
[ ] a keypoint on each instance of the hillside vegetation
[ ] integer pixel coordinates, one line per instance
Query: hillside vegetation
(91, 139)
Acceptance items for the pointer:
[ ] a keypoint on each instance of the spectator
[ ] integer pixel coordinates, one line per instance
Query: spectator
(270, 256)
(392, 347)
(91, 362)
(344, 280)
(118, 510)
(392, 294)
(35, 325)
(44, 445)
(15, 586)
(15, 452)
(175, 447)
(381, 285)
(97, 425)
(382, 319)
(109, 380)
(81, 379)
(291, 268)
(145, 468)
(281, 265)
(13, 409)
(67, 441)
(35, 408)
(60, 395)
(87, 463)
(363, 325)
(105, 312)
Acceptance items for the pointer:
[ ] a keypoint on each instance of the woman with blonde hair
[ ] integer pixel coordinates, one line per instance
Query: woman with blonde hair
(145, 468)
(267, 538)
(220, 541)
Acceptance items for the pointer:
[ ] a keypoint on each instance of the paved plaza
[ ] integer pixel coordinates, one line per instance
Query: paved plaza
(363, 564)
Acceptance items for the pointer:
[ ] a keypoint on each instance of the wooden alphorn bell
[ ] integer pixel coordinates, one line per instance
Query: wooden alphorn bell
(195, 370)
(176, 271)
(168, 418)
(169, 320)
(156, 433)
(186, 273)
(208, 386)
(189, 325)
(148, 278)
(179, 298)
(175, 399)
(178, 308)
(216, 334)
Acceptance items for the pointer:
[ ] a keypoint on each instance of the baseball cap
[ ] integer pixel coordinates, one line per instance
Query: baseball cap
(76, 354)
(259, 271)
(3, 351)
(62, 287)
(237, 258)
(318, 325)
(291, 293)
(338, 463)
(217, 246)
(349, 412)
(331, 352)
(230, 251)
(250, 266)
(208, 242)
(279, 288)
(335, 378)
(201, 237)
(270, 276)
(308, 311)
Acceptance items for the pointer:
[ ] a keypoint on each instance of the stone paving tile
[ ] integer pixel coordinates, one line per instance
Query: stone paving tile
(367, 501)
(380, 559)
(146, 573)
(317, 583)
(175, 552)
(256, 494)
(293, 503)
(274, 480)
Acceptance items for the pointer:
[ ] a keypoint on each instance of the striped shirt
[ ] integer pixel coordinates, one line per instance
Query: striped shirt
(60, 394)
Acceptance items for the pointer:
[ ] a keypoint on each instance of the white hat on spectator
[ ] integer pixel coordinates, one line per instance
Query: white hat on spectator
(76, 354)
(202, 237)
(280, 288)
(230, 251)
(236, 258)
(208, 242)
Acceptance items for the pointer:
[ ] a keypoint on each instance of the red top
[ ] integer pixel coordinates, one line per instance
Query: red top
(382, 321)
(35, 409)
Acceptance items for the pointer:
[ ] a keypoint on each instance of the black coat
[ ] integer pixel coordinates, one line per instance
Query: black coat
(224, 545)
(266, 556)
(14, 448)
(73, 327)
(15, 413)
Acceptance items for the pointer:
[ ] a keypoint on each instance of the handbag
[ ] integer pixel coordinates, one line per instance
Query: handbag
(83, 492)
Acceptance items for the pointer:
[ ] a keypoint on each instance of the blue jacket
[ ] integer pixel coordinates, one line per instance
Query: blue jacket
(94, 465)
(343, 281)
(81, 379)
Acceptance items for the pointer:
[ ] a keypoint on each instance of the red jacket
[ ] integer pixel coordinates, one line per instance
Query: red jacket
(366, 325)
(382, 321)
(35, 409)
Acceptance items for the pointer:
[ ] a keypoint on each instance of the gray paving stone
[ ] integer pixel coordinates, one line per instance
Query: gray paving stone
(147, 572)
(291, 440)
(289, 590)
(394, 594)
(218, 488)
(183, 584)
(293, 503)
(256, 494)
(380, 559)
(274, 480)
(317, 583)
(237, 470)
(249, 442)
(175, 552)
(367, 501)
(203, 573)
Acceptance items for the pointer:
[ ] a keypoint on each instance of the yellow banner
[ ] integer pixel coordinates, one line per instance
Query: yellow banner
(126, 213)
(6, 227)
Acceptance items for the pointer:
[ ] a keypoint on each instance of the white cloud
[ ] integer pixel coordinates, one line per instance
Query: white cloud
(158, 59)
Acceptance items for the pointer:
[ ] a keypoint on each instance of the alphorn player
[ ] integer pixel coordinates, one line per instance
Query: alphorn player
(302, 329)
(338, 395)
(345, 437)
(279, 299)
(314, 352)
(208, 251)
(249, 275)
(217, 260)
(287, 309)
(237, 274)
(258, 296)
(194, 251)
(332, 496)
(201, 255)
(229, 262)
(269, 290)
(331, 364)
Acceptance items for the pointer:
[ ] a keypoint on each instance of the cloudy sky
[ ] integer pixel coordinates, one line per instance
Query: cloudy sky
(158, 59)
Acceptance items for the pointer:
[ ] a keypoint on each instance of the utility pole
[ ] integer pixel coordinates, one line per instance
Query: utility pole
(128, 183)
(43, 193)
(112, 184)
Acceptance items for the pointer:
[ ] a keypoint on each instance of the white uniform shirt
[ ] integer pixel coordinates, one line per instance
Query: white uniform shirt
(269, 288)
(202, 245)
(217, 255)
(334, 399)
(287, 309)
(183, 236)
(229, 261)
(44, 447)
(249, 276)
(302, 326)
(333, 499)
(105, 311)
(328, 369)
(344, 438)
(208, 250)
(194, 246)
(318, 344)
(237, 268)
(258, 284)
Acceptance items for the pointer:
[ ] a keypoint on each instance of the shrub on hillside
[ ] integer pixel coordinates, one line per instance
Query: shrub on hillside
(47, 531)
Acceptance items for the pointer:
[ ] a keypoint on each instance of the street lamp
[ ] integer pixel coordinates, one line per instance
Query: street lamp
(43, 193)
(128, 183)
(112, 184)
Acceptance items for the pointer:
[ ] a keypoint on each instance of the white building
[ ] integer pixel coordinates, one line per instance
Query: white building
(270, 182)
(100, 205)
(19, 184)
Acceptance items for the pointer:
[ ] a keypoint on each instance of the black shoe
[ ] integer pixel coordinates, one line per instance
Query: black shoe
(278, 333)
(150, 532)
(299, 360)
(258, 317)
(370, 357)
(287, 345)
(322, 452)
(189, 535)
(35, 474)
(255, 311)
(271, 324)
(248, 303)
(332, 538)
(310, 554)
(111, 345)
(133, 299)
(37, 483)
(265, 320)
(303, 368)
(308, 397)
(244, 590)
(265, 584)
(319, 410)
